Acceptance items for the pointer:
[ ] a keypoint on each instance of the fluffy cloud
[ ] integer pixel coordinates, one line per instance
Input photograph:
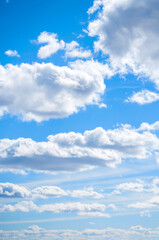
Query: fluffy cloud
(73, 50)
(149, 127)
(143, 97)
(75, 151)
(127, 31)
(12, 53)
(48, 191)
(52, 46)
(54, 92)
(35, 232)
(13, 190)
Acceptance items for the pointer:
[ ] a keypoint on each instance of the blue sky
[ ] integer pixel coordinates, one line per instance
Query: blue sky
(79, 132)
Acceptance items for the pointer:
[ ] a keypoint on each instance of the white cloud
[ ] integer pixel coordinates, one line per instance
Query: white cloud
(87, 192)
(54, 92)
(135, 187)
(48, 191)
(13, 190)
(143, 97)
(35, 232)
(95, 7)
(75, 151)
(12, 53)
(150, 203)
(149, 127)
(26, 206)
(94, 214)
(53, 44)
(127, 31)
(73, 50)
(17, 191)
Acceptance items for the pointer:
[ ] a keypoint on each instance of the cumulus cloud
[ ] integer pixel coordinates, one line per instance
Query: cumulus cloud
(143, 97)
(35, 232)
(48, 191)
(75, 151)
(73, 50)
(52, 46)
(149, 127)
(54, 92)
(128, 32)
(12, 53)
(13, 190)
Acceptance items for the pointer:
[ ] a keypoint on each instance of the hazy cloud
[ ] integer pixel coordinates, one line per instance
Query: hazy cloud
(12, 53)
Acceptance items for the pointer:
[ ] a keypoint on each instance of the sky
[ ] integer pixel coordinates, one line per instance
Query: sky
(79, 121)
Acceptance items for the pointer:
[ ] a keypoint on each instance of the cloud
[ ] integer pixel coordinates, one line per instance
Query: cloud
(94, 214)
(150, 203)
(26, 206)
(75, 151)
(35, 232)
(87, 192)
(73, 50)
(95, 7)
(53, 44)
(135, 187)
(12, 53)
(48, 191)
(128, 32)
(11, 190)
(143, 97)
(54, 92)
(149, 127)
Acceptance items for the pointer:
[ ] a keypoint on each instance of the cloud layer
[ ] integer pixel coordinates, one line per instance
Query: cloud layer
(10, 190)
(75, 151)
(35, 232)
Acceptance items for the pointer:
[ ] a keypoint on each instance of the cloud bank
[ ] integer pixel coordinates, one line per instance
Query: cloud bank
(35, 232)
(75, 151)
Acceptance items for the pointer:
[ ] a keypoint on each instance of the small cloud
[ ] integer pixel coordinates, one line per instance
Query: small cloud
(12, 53)
(145, 213)
(143, 97)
